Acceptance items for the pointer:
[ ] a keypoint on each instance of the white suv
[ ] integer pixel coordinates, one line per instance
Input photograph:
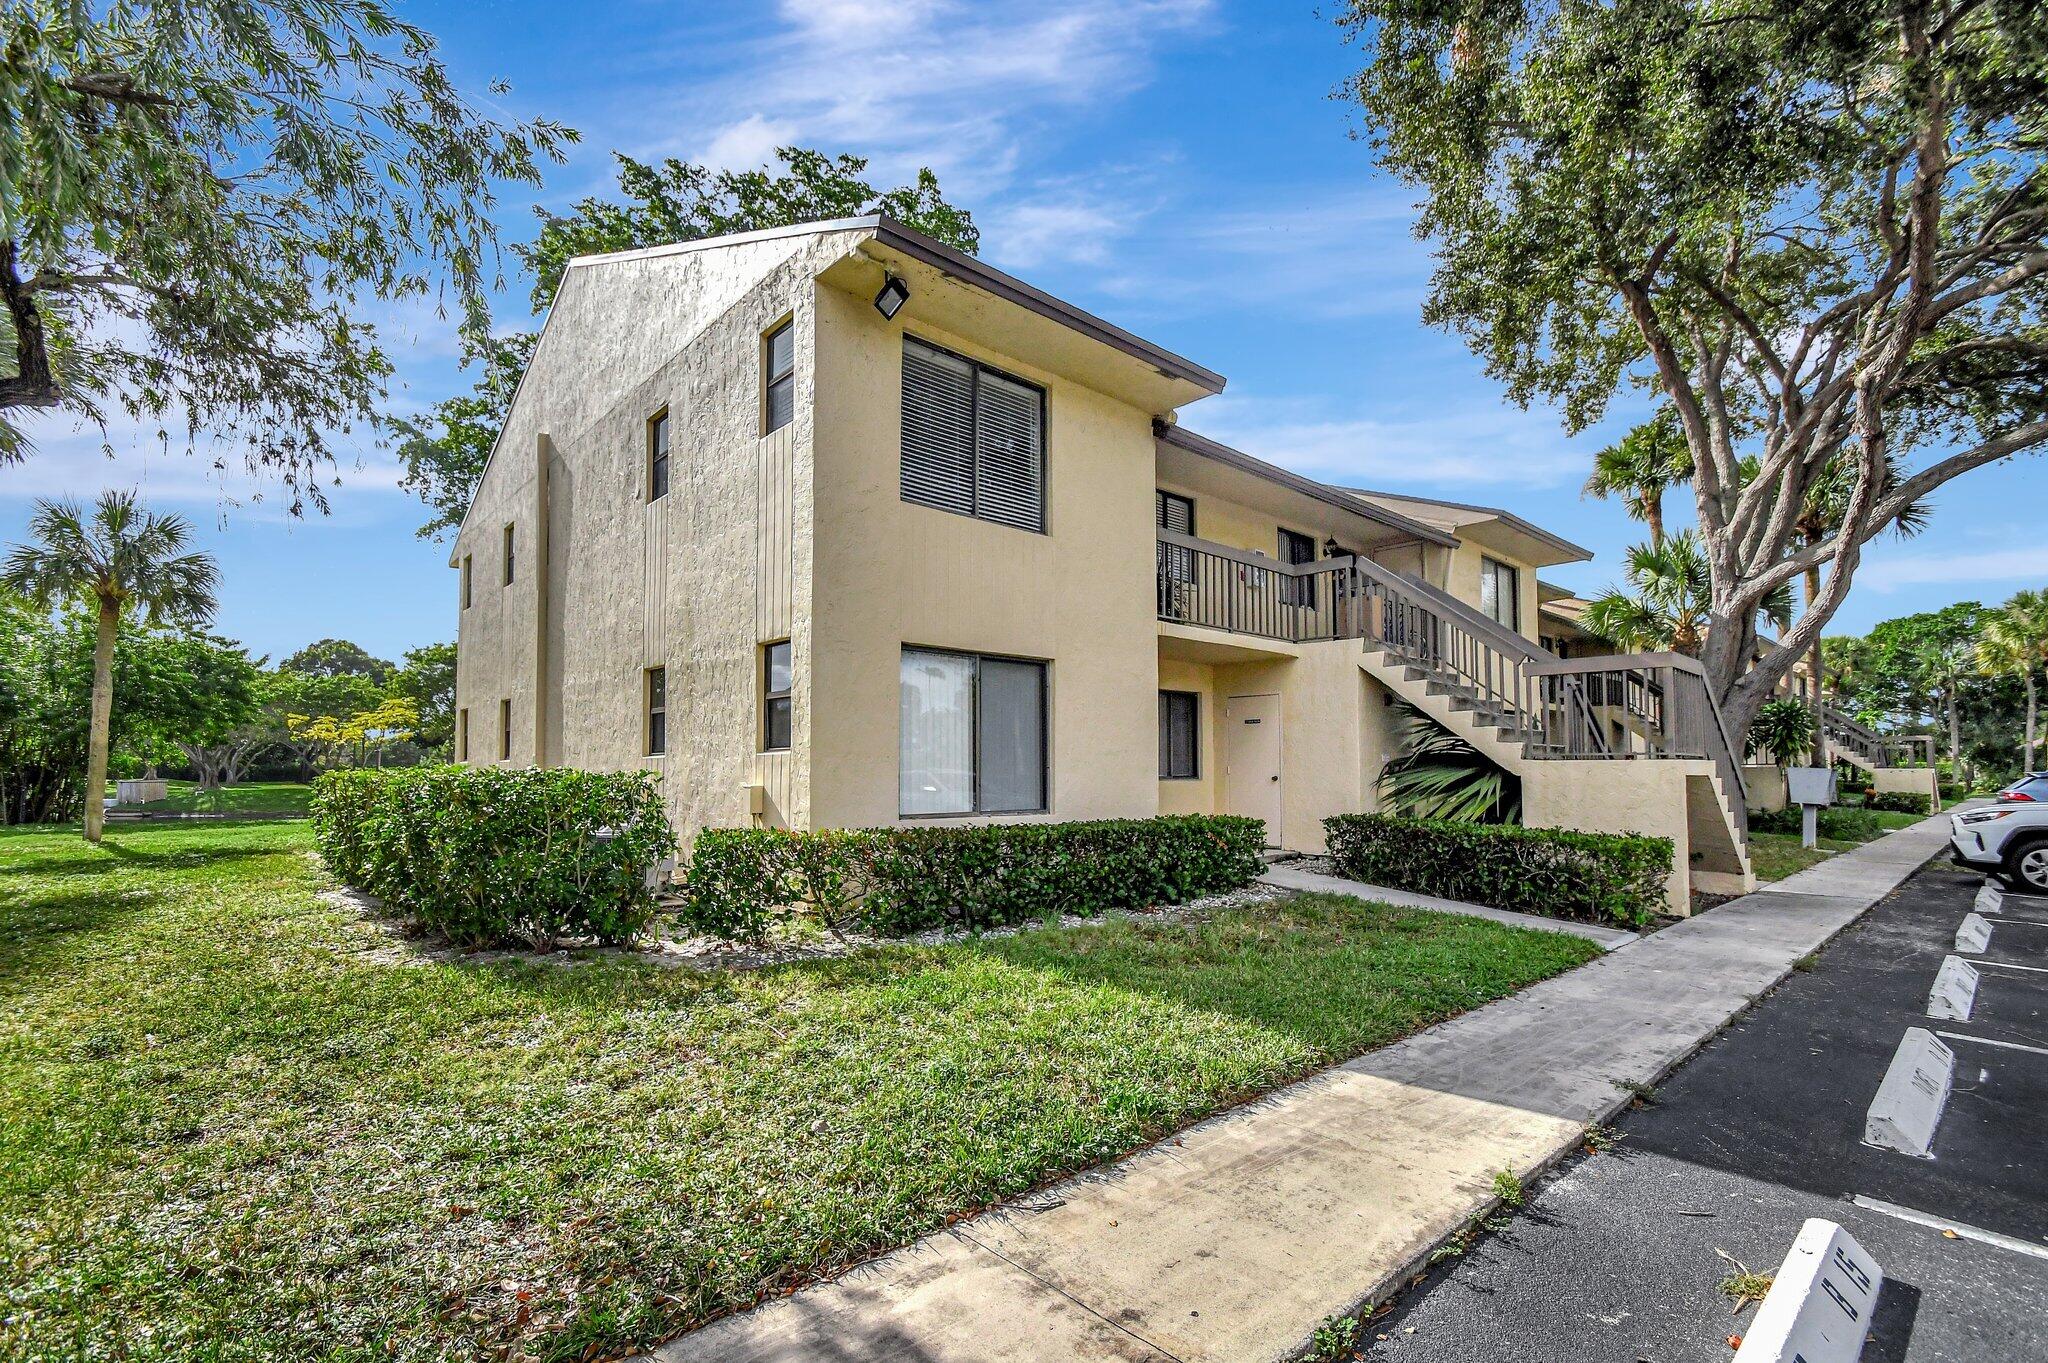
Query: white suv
(2009, 839)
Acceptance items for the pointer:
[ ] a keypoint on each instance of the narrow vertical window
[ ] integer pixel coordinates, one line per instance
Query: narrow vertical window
(465, 581)
(508, 555)
(657, 711)
(780, 396)
(776, 677)
(657, 456)
(1297, 548)
(505, 730)
(1500, 592)
(462, 734)
(1179, 744)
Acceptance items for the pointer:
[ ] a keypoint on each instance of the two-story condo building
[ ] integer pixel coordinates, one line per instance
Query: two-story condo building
(834, 526)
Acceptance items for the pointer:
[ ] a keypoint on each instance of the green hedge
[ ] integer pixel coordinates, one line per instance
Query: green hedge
(1846, 823)
(1897, 802)
(892, 881)
(1615, 878)
(489, 856)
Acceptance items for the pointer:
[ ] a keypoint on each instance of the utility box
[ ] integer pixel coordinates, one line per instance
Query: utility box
(1812, 789)
(1810, 785)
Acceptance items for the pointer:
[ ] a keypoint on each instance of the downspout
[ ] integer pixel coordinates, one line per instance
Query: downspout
(544, 450)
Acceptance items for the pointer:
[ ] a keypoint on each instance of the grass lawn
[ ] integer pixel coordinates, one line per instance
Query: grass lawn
(1777, 855)
(242, 1123)
(248, 798)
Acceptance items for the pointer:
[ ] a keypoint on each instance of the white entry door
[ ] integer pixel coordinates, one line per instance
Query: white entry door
(1251, 760)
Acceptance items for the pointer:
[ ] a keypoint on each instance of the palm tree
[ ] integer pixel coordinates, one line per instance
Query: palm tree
(2015, 643)
(1645, 464)
(1434, 774)
(121, 558)
(1671, 601)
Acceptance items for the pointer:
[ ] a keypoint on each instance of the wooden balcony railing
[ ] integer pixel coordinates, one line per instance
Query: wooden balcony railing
(1647, 705)
(1845, 733)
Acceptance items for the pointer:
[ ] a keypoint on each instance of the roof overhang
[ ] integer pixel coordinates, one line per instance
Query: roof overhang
(1524, 539)
(954, 292)
(1392, 527)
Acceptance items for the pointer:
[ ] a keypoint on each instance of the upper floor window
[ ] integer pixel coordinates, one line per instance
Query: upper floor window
(973, 439)
(508, 555)
(780, 396)
(505, 730)
(657, 456)
(1500, 592)
(462, 734)
(1175, 512)
(776, 676)
(466, 577)
(1297, 548)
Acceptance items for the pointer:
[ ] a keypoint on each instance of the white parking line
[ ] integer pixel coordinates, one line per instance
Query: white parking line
(1963, 1230)
(1987, 1041)
(1955, 990)
(2009, 965)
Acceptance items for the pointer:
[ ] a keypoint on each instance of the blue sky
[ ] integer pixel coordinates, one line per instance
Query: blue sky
(1181, 167)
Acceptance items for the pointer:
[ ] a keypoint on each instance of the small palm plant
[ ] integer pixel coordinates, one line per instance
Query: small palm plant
(120, 559)
(1434, 774)
(1783, 730)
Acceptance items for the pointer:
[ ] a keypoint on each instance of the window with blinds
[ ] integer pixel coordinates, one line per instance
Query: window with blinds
(973, 439)
(1179, 736)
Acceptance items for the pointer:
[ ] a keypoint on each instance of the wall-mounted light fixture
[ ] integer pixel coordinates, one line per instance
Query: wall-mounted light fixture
(895, 293)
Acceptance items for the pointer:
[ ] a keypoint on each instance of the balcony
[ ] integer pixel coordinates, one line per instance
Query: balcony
(1650, 705)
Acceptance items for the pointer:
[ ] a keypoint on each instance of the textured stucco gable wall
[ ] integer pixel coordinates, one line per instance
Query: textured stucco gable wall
(694, 582)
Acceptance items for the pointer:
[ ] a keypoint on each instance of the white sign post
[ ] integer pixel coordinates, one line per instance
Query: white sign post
(1820, 1304)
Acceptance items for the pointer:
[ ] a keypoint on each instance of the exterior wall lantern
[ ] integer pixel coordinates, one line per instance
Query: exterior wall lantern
(894, 294)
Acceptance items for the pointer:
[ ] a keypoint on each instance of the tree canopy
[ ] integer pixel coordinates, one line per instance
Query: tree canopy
(444, 452)
(197, 197)
(1818, 232)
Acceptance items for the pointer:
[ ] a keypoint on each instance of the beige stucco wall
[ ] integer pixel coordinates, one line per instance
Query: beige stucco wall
(1335, 735)
(1461, 578)
(886, 573)
(1910, 781)
(1765, 783)
(1619, 797)
(693, 582)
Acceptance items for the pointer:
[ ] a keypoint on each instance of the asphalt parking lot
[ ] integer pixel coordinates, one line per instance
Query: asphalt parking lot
(1615, 1256)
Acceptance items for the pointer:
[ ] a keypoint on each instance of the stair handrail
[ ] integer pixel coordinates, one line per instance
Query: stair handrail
(1723, 752)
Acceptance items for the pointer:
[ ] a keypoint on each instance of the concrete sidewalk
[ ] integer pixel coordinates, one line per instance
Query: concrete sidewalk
(1231, 1241)
(1289, 877)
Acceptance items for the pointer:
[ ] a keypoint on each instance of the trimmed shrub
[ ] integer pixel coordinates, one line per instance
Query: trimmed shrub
(892, 881)
(1896, 802)
(488, 856)
(1615, 878)
(1847, 823)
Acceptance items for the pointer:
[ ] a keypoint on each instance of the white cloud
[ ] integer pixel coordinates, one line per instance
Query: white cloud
(1469, 448)
(1313, 253)
(74, 459)
(954, 84)
(1893, 571)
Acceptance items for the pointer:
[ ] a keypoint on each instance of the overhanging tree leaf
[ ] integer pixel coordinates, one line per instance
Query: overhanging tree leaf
(1818, 231)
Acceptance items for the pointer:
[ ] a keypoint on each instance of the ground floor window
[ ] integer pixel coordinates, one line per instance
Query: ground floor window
(657, 711)
(462, 734)
(504, 730)
(973, 734)
(777, 677)
(1179, 741)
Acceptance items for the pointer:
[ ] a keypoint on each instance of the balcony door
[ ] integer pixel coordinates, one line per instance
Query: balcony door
(1251, 760)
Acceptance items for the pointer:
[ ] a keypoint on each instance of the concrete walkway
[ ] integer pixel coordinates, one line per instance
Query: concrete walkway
(1231, 1241)
(1295, 879)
